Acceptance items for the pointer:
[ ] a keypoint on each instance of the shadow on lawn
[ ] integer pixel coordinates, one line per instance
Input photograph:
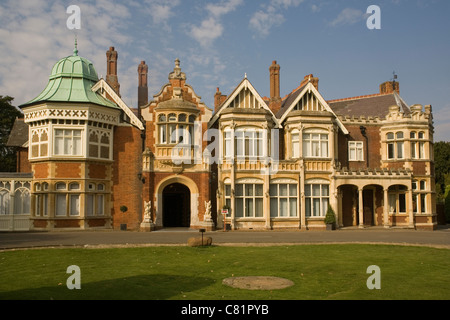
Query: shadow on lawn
(143, 287)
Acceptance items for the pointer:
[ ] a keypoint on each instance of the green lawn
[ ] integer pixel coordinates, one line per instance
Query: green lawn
(178, 273)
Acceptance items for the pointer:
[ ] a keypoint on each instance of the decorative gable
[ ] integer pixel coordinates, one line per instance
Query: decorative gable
(244, 97)
(309, 102)
(309, 99)
(105, 89)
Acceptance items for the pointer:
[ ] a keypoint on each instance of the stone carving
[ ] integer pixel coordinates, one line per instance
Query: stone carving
(147, 224)
(208, 209)
(148, 211)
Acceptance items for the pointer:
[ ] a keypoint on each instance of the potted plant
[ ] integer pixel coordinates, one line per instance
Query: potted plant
(123, 226)
(330, 219)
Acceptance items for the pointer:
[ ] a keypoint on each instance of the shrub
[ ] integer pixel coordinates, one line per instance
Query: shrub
(330, 217)
(123, 209)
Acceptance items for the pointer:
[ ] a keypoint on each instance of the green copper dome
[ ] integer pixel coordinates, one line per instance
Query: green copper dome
(71, 80)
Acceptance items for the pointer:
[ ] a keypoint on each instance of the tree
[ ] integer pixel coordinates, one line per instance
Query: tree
(442, 167)
(8, 114)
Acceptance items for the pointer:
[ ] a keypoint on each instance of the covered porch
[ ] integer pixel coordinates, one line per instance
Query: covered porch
(375, 198)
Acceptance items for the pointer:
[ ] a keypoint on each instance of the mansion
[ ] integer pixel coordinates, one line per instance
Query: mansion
(87, 160)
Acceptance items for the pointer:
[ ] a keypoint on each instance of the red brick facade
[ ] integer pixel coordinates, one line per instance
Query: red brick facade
(389, 183)
(127, 188)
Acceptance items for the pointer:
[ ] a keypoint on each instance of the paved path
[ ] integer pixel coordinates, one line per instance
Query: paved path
(438, 238)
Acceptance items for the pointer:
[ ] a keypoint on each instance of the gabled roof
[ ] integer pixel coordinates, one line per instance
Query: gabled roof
(105, 88)
(375, 105)
(243, 85)
(18, 136)
(291, 100)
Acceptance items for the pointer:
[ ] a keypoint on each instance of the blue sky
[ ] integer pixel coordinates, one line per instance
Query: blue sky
(218, 42)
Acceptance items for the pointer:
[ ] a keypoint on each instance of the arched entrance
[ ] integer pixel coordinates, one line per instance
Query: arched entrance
(176, 206)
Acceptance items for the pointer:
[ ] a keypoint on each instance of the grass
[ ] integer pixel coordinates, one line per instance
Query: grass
(185, 273)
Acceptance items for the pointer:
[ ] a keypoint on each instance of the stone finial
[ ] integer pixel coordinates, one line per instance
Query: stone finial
(177, 74)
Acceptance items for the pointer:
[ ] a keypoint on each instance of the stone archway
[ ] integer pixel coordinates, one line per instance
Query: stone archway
(349, 205)
(190, 199)
(176, 206)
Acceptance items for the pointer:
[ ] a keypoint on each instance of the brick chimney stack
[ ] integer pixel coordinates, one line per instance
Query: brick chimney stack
(143, 86)
(310, 78)
(111, 70)
(219, 98)
(389, 87)
(275, 99)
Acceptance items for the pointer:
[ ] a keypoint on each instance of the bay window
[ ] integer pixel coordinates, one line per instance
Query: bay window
(95, 200)
(316, 199)
(68, 142)
(295, 144)
(417, 145)
(249, 200)
(283, 200)
(173, 129)
(249, 143)
(67, 201)
(397, 199)
(315, 144)
(395, 145)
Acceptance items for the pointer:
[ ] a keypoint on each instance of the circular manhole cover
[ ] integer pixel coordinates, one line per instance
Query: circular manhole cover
(258, 283)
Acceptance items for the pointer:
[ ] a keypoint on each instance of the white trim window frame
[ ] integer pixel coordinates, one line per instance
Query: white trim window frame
(39, 143)
(317, 199)
(68, 142)
(295, 144)
(283, 200)
(95, 200)
(395, 143)
(315, 143)
(417, 141)
(249, 143)
(249, 200)
(355, 151)
(397, 199)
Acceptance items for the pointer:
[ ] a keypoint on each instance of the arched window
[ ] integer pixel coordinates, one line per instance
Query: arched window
(22, 201)
(162, 128)
(182, 118)
(172, 117)
(4, 201)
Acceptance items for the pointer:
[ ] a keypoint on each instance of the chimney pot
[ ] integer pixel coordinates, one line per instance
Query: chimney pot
(275, 99)
(111, 70)
(390, 87)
